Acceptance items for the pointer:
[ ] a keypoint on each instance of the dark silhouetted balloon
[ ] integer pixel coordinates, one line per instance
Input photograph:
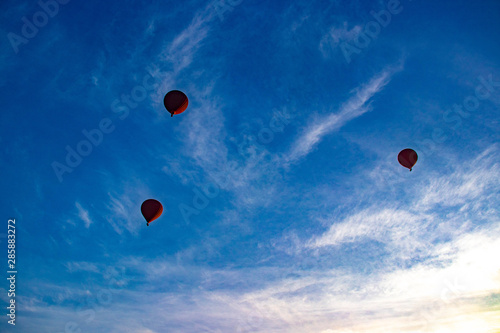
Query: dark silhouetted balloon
(407, 158)
(175, 102)
(151, 210)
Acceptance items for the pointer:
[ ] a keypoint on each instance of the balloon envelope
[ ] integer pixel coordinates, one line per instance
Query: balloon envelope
(175, 102)
(151, 210)
(407, 158)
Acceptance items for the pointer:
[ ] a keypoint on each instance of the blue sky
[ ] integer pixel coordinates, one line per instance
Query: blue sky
(285, 209)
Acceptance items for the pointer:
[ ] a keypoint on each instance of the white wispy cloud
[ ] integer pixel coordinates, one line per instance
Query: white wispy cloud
(475, 179)
(207, 144)
(83, 214)
(123, 210)
(351, 109)
(180, 53)
(398, 227)
(83, 266)
(181, 50)
(331, 40)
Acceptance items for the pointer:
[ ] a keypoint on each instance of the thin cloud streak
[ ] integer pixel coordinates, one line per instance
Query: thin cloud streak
(84, 215)
(353, 108)
(182, 49)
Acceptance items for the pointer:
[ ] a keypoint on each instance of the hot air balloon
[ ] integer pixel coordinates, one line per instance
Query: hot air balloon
(407, 158)
(175, 102)
(151, 210)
